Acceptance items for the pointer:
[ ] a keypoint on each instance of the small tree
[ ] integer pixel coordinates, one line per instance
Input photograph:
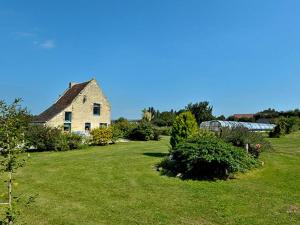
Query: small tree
(185, 126)
(13, 123)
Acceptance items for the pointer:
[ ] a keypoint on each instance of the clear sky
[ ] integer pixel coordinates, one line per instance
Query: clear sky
(240, 55)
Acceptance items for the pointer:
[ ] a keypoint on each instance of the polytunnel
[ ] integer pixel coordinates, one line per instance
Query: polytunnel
(217, 125)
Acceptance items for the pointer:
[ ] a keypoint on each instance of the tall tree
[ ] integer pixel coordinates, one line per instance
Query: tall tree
(201, 110)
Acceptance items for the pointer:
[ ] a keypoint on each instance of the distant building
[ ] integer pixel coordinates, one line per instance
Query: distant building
(82, 107)
(243, 116)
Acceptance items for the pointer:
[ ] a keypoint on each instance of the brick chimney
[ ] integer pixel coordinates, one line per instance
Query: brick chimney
(71, 84)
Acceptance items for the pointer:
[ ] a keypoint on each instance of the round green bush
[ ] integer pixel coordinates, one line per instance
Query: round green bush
(145, 131)
(207, 158)
(102, 136)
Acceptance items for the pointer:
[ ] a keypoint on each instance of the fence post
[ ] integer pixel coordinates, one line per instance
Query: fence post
(247, 147)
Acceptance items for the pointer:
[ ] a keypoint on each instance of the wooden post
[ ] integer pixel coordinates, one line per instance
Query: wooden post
(247, 147)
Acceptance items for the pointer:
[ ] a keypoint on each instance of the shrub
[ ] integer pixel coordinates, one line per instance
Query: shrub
(206, 158)
(44, 138)
(276, 133)
(102, 135)
(145, 131)
(240, 136)
(74, 141)
(166, 131)
(204, 133)
(285, 126)
(156, 135)
(281, 128)
(116, 133)
(159, 122)
(122, 128)
(185, 126)
(62, 144)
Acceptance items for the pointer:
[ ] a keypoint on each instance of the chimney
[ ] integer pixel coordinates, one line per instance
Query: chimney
(71, 84)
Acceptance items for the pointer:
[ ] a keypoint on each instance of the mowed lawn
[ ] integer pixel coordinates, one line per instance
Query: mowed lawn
(118, 185)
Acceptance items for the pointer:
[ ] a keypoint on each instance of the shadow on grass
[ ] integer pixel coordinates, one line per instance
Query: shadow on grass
(200, 178)
(155, 154)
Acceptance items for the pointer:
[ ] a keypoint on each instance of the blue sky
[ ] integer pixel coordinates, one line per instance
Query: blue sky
(240, 55)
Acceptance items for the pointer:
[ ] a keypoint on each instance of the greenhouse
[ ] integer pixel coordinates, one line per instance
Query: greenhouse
(217, 125)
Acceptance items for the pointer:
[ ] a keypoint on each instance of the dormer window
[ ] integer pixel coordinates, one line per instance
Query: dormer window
(97, 109)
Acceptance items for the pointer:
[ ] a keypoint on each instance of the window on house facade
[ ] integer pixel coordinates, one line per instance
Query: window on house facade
(84, 99)
(68, 116)
(97, 109)
(103, 125)
(67, 127)
(87, 127)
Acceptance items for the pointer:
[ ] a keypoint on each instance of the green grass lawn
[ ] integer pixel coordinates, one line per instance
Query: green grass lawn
(118, 185)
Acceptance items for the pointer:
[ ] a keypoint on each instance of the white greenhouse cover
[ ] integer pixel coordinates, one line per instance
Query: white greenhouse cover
(232, 124)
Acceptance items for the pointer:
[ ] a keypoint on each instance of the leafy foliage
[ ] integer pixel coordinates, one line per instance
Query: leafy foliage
(145, 131)
(164, 119)
(116, 133)
(74, 141)
(222, 117)
(166, 131)
(201, 110)
(203, 133)
(272, 114)
(240, 136)
(242, 119)
(102, 135)
(285, 126)
(161, 119)
(44, 138)
(185, 126)
(13, 124)
(122, 128)
(206, 158)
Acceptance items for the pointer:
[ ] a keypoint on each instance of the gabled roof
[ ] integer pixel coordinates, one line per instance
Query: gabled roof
(62, 103)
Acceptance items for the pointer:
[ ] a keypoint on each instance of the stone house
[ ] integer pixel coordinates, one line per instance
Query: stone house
(82, 107)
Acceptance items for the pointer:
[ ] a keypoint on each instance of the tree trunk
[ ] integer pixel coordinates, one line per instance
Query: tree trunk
(10, 222)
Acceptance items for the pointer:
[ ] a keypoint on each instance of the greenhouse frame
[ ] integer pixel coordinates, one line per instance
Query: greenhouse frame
(217, 125)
